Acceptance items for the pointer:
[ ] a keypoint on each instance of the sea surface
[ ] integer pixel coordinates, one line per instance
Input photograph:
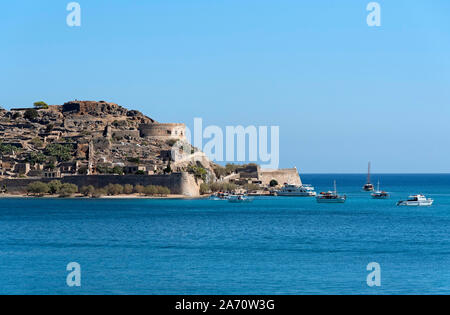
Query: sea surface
(283, 245)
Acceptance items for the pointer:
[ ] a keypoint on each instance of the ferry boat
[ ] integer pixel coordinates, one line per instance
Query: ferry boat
(240, 199)
(416, 201)
(331, 197)
(368, 186)
(296, 191)
(380, 194)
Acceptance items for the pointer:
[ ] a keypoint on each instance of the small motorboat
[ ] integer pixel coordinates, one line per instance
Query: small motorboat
(240, 199)
(416, 201)
(331, 197)
(220, 196)
(380, 194)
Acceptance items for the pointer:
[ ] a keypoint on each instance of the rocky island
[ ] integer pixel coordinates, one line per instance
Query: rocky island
(101, 148)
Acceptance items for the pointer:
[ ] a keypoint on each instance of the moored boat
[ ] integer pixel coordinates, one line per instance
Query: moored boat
(220, 196)
(380, 194)
(416, 201)
(331, 197)
(296, 191)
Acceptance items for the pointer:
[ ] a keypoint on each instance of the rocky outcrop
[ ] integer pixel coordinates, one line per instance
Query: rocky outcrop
(99, 137)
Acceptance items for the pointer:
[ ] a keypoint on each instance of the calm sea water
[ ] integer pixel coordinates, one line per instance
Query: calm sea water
(272, 246)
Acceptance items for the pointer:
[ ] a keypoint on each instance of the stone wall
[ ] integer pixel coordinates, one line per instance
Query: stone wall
(178, 183)
(282, 176)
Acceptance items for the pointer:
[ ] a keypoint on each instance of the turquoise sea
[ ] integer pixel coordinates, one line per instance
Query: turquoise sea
(272, 246)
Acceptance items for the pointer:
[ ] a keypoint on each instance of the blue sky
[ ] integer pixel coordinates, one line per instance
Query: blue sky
(342, 93)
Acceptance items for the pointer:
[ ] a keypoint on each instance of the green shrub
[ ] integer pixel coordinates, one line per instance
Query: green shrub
(204, 189)
(62, 152)
(114, 189)
(150, 190)
(198, 171)
(31, 114)
(128, 189)
(134, 160)
(162, 191)
(7, 149)
(99, 193)
(139, 189)
(55, 186)
(40, 105)
(38, 188)
(87, 190)
(37, 142)
(68, 190)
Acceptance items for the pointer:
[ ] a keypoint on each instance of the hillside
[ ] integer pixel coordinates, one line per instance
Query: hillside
(86, 138)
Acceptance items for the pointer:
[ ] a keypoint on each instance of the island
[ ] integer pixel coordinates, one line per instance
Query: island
(99, 148)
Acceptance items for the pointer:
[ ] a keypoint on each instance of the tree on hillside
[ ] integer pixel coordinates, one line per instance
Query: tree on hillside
(40, 105)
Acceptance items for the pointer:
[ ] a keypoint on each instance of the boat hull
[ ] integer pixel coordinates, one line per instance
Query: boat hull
(415, 203)
(337, 200)
(296, 194)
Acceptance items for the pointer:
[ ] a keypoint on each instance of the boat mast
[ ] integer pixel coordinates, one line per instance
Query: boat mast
(368, 175)
(335, 188)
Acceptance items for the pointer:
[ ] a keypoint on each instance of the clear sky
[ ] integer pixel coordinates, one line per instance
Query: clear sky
(342, 93)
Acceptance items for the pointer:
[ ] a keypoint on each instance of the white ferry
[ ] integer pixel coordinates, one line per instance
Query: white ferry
(416, 201)
(296, 191)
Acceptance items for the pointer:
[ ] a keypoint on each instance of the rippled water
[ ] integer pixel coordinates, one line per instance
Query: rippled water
(272, 246)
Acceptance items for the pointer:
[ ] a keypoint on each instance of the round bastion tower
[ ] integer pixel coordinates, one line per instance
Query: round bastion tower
(163, 131)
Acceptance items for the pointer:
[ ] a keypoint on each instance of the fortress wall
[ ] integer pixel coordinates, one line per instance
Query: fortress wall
(282, 176)
(175, 131)
(178, 183)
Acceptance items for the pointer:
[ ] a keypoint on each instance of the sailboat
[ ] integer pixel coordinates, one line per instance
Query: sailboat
(331, 197)
(368, 186)
(380, 194)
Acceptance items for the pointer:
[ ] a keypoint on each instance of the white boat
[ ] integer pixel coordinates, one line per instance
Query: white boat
(331, 197)
(219, 196)
(239, 199)
(380, 194)
(416, 201)
(296, 191)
